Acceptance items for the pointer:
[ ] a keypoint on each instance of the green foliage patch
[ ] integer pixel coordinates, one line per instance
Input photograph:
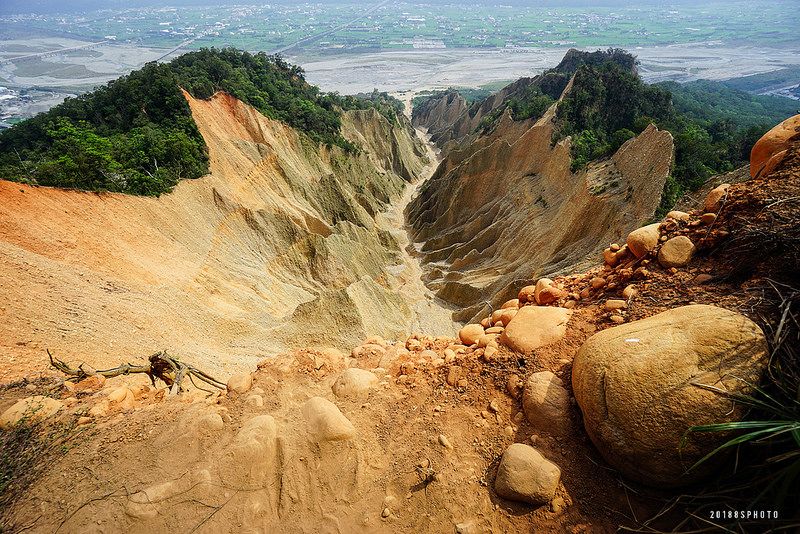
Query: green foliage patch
(713, 126)
(137, 135)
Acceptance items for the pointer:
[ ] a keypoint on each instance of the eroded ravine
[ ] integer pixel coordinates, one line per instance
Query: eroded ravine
(432, 314)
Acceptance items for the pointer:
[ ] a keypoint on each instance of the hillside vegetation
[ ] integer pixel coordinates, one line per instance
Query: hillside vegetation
(714, 126)
(136, 135)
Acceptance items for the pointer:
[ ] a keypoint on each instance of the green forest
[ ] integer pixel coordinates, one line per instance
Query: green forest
(137, 135)
(714, 126)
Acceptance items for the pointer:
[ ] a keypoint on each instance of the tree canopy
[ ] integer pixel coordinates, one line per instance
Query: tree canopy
(137, 135)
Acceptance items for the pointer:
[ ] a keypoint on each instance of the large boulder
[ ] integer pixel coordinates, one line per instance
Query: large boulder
(643, 240)
(637, 386)
(773, 146)
(525, 475)
(535, 326)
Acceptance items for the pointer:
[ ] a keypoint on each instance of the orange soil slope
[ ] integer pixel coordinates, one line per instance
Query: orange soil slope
(216, 267)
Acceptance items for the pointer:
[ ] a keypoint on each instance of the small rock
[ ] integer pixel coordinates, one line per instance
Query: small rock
(453, 375)
(546, 402)
(386, 512)
(494, 407)
(470, 333)
(557, 505)
(91, 383)
(629, 292)
(503, 315)
(489, 352)
(679, 215)
(486, 340)
(494, 330)
(617, 319)
(527, 294)
(84, 421)
(240, 382)
(510, 304)
(513, 386)
(463, 383)
(444, 442)
(546, 293)
(708, 218)
(713, 201)
(703, 278)
(615, 304)
(643, 240)
(525, 475)
(676, 252)
(549, 295)
(597, 282)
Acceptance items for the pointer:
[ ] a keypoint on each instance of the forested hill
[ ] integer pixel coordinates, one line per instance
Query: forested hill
(714, 126)
(136, 135)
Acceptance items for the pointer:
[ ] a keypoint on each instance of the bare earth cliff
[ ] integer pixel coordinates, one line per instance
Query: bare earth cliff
(279, 246)
(504, 208)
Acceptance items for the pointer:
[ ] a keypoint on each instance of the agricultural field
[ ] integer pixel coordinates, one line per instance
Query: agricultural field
(353, 47)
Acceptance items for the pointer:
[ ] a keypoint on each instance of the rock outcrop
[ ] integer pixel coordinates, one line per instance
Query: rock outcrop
(639, 387)
(506, 208)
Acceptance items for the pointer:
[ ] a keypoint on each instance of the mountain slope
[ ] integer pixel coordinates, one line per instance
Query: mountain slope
(507, 209)
(278, 246)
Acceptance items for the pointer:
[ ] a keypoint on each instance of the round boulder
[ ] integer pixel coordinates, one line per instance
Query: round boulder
(354, 382)
(676, 252)
(638, 387)
(525, 475)
(643, 240)
(535, 326)
(470, 334)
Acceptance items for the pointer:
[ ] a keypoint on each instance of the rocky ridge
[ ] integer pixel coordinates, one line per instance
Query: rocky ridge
(507, 209)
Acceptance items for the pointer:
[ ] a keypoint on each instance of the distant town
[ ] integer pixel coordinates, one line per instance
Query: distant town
(45, 58)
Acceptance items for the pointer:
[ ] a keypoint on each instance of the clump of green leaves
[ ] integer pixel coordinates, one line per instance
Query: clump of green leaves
(137, 135)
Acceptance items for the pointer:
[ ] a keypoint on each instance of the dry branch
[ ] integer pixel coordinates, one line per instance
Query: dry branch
(161, 366)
